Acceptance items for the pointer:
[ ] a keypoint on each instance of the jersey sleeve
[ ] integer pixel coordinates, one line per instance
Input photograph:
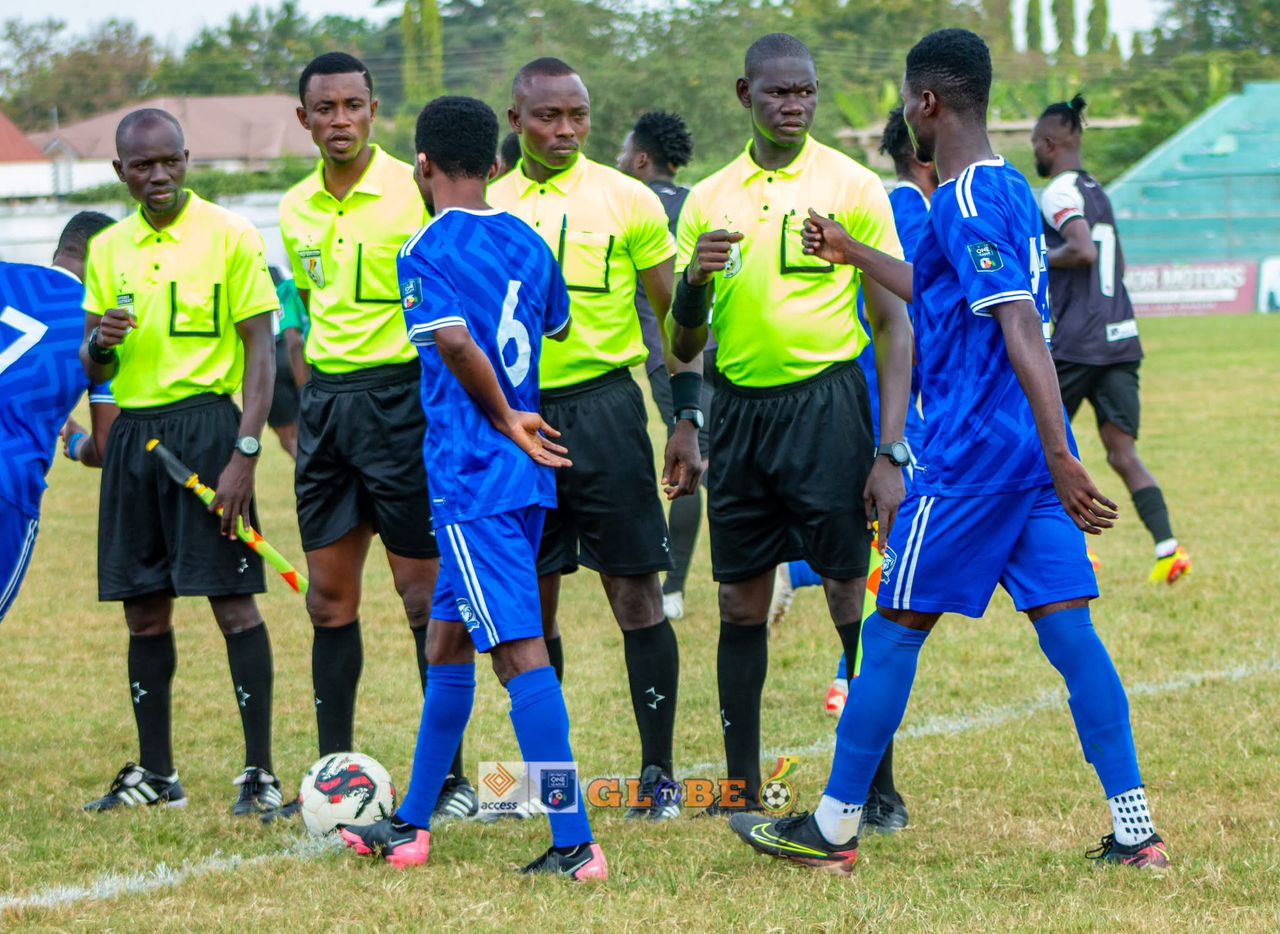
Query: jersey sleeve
(98, 295)
(689, 227)
(250, 291)
(648, 234)
(910, 211)
(100, 394)
(869, 219)
(981, 246)
(1062, 201)
(557, 311)
(429, 300)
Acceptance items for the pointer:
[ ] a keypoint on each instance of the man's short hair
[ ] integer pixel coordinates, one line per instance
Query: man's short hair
(459, 135)
(333, 63)
(546, 67)
(896, 143)
(1069, 112)
(955, 64)
(510, 152)
(82, 228)
(145, 116)
(664, 137)
(773, 46)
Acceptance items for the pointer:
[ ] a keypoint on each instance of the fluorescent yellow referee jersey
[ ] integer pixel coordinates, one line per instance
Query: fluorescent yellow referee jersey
(603, 227)
(781, 316)
(188, 285)
(344, 253)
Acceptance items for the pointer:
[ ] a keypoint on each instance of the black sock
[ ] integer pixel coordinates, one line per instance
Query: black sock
(420, 635)
(152, 662)
(684, 517)
(653, 670)
(420, 654)
(882, 781)
(1149, 502)
(850, 634)
(249, 656)
(555, 650)
(742, 662)
(337, 656)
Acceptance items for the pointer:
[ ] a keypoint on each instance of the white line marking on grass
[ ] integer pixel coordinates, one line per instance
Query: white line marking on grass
(164, 876)
(985, 717)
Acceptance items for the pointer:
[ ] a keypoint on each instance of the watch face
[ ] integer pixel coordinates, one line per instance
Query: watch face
(900, 453)
(248, 446)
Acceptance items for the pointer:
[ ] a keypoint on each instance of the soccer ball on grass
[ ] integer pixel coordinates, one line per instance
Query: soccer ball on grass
(345, 789)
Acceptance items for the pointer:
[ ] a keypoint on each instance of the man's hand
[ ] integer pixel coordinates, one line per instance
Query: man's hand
(711, 255)
(532, 435)
(235, 493)
(72, 427)
(682, 467)
(883, 495)
(826, 239)
(115, 327)
(1088, 508)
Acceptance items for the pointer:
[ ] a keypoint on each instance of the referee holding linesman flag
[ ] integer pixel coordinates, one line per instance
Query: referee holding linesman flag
(179, 305)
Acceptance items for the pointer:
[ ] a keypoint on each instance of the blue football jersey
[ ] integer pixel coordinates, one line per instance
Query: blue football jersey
(490, 273)
(41, 379)
(983, 246)
(910, 211)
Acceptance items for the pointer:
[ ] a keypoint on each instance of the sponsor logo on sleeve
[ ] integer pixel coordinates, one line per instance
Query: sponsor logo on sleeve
(985, 256)
(411, 294)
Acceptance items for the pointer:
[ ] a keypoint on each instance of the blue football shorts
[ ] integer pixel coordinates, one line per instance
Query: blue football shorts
(947, 554)
(17, 542)
(489, 577)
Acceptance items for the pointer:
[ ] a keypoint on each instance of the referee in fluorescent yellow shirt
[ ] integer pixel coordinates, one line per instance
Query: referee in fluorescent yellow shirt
(606, 229)
(179, 305)
(360, 424)
(791, 438)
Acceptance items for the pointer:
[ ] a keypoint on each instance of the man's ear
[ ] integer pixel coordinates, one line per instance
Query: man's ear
(302, 117)
(743, 89)
(119, 167)
(513, 120)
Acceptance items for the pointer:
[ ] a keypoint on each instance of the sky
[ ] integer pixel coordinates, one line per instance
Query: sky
(182, 21)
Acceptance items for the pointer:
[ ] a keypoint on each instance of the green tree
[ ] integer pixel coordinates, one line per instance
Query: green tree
(422, 41)
(1035, 27)
(1098, 34)
(1064, 24)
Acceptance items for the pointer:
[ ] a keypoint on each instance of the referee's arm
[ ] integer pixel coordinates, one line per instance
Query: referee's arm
(235, 484)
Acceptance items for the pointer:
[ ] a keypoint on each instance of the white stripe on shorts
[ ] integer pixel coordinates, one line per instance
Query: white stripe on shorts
(19, 567)
(472, 582)
(925, 509)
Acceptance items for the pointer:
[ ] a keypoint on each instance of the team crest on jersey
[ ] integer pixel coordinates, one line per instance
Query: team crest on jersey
(986, 256)
(468, 614)
(313, 263)
(411, 294)
(886, 567)
(559, 789)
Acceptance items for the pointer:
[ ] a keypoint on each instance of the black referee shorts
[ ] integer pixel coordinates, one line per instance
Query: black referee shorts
(609, 515)
(284, 401)
(360, 460)
(1112, 390)
(789, 465)
(154, 536)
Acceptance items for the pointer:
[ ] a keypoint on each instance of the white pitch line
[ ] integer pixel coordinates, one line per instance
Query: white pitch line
(164, 876)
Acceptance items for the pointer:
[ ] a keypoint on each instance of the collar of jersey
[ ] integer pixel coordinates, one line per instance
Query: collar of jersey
(995, 163)
(903, 183)
(474, 212)
(751, 168)
(66, 272)
(370, 183)
(563, 182)
(172, 231)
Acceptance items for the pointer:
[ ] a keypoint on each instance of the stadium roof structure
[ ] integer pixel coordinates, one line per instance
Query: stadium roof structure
(1211, 191)
(252, 128)
(15, 146)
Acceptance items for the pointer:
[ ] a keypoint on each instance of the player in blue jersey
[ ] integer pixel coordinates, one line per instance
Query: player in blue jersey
(480, 290)
(999, 481)
(41, 380)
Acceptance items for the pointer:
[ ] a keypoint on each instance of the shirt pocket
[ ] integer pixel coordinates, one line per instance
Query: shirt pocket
(196, 308)
(584, 260)
(792, 259)
(376, 276)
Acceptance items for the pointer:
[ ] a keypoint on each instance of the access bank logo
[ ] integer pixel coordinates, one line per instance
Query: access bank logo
(521, 788)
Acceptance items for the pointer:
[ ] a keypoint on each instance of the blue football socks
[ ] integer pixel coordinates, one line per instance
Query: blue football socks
(802, 575)
(541, 722)
(877, 702)
(446, 708)
(1097, 698)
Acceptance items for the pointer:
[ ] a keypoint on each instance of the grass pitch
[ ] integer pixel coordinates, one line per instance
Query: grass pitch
(1002, 804)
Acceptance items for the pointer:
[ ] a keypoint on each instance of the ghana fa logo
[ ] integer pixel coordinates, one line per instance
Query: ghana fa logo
(314, 265)
(777, 796)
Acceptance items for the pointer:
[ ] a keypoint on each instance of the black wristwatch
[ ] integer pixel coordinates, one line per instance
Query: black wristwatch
(692, 415)
(249, 446)
(897, 451)
(98, 353)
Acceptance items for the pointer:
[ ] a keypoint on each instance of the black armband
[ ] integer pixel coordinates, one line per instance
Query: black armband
(691, 303)
(100, 355)
(686, 391)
